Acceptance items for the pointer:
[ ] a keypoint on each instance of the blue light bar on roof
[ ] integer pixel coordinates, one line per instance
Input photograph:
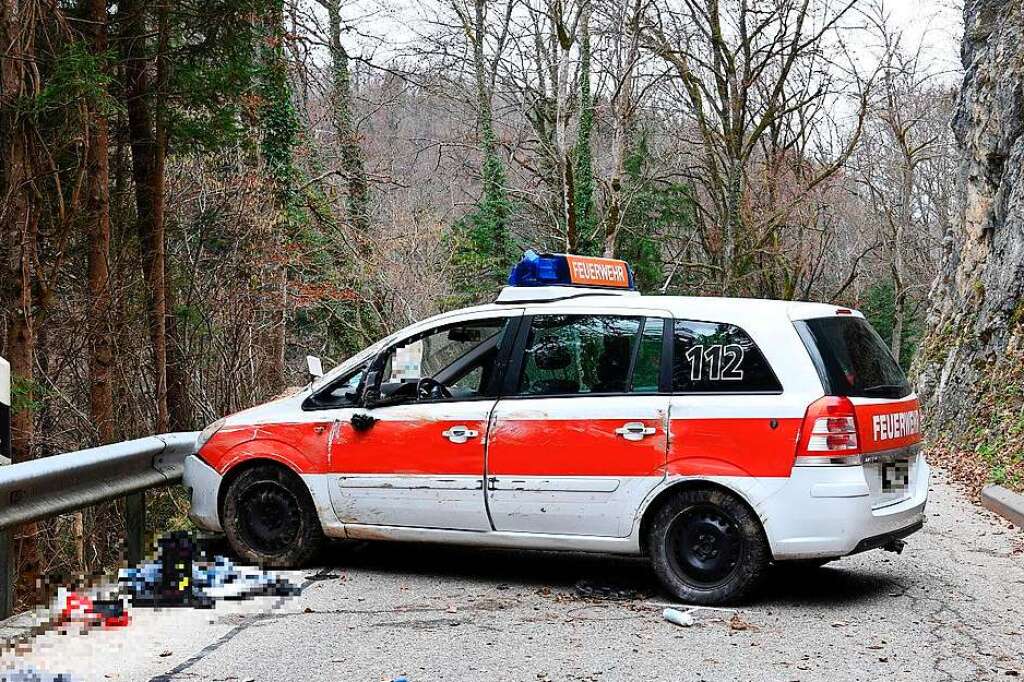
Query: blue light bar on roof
(562, 269)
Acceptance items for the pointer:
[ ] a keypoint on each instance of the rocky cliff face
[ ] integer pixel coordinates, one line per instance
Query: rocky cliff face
(970, 372)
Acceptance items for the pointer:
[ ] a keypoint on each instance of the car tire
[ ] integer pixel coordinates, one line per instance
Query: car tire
(269, 518)
(707, 547)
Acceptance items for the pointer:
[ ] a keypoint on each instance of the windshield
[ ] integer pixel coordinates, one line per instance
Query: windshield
(854, 361)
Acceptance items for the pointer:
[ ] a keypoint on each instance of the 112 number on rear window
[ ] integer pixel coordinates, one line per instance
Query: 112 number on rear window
(724, 363)
(713, 357)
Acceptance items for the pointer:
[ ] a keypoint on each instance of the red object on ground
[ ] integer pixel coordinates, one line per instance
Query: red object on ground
(80, 608)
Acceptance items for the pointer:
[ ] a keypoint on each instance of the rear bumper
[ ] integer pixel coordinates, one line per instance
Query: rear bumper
(204, 484)
(827, 512)
(884, 539)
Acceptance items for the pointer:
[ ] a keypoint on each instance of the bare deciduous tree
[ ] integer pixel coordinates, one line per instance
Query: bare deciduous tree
(741, 70)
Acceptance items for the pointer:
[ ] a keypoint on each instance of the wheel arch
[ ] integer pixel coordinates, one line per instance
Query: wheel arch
(667, 493)
(242, 466)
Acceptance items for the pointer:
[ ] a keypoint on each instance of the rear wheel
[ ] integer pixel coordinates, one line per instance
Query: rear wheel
(707, 547)
(269, 518)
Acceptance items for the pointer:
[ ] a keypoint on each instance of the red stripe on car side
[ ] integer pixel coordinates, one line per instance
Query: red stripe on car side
(300, 446)
(733, 447)
(700, 447)
(408, 447)
(573, 447)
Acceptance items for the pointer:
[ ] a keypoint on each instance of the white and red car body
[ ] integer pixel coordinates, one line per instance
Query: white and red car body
(560, 473)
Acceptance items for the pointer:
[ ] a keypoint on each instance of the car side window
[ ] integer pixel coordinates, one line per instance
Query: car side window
(344, 390)
(459, 356)
(590, 354)
(712, 357)
(647, 369)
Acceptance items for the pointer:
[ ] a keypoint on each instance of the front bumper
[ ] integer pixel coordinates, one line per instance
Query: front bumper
(204, 484)
(827, 512)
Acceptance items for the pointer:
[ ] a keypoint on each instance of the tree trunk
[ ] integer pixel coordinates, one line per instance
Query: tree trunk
(18, 233)
(903, 227)
(732, 224)
(493, 173)
(560, 43)
(494, 201)
(18, 227)
(583, 176)
(344, 125)
(899, 313)
(972, 351)
(19, 310)
(177, 376)
(279, 129)
(97, 209)
(148, 153)
(622, 129)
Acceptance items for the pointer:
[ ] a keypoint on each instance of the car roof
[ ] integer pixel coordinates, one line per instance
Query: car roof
(754, 315)
(708, 308)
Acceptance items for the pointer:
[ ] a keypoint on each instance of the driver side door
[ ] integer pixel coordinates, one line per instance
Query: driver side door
(421, 461)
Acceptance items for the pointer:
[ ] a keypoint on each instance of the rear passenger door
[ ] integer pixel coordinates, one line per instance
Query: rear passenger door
(729, 416)
(579, 437)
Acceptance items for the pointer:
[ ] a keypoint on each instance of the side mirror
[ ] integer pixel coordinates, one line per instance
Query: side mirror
(315, 367)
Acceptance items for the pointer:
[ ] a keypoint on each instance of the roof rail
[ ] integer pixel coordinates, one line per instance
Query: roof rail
(509, 295)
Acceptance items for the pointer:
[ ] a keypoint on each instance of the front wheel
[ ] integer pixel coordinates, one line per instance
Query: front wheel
(269, 518)
(707, 547)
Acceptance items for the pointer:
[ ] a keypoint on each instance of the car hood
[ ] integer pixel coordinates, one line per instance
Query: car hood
(285, 408)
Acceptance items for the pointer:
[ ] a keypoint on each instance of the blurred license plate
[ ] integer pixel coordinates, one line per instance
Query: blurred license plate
(895, 475)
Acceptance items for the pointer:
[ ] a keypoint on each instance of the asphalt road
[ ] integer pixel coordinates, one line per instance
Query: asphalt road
(951, 607)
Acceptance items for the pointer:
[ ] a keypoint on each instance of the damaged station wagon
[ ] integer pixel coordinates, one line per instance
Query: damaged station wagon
(713, 435)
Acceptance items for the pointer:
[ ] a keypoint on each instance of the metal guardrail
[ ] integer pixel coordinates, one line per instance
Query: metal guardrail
(42, 488)
(45, 487)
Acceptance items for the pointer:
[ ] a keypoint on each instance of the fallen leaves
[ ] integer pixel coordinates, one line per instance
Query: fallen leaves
(737, 624)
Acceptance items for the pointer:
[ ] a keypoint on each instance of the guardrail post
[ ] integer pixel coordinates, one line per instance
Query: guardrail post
(135, 527)
(7, 577)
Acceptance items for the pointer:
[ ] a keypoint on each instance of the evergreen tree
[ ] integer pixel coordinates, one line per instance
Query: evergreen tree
(654, 209)
(588, 242)
(279, 126)
(481, 243)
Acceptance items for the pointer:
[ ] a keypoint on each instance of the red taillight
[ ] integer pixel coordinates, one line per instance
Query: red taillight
(829, 433)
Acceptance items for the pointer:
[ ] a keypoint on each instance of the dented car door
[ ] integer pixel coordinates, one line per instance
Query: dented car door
(579, 437)
(420, 462)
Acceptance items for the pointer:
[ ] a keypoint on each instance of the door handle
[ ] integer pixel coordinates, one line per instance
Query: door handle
(459, 434)
(635, 430)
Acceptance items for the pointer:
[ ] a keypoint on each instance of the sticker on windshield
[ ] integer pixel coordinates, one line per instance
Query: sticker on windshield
(407, 362)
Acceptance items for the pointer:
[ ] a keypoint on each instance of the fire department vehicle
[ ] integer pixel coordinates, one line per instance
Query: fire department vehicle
(713, 435)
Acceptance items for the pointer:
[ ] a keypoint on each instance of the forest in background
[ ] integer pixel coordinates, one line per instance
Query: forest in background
(196, 193)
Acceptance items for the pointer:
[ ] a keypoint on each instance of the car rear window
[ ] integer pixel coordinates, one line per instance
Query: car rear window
(712, 357)
(852, 358)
